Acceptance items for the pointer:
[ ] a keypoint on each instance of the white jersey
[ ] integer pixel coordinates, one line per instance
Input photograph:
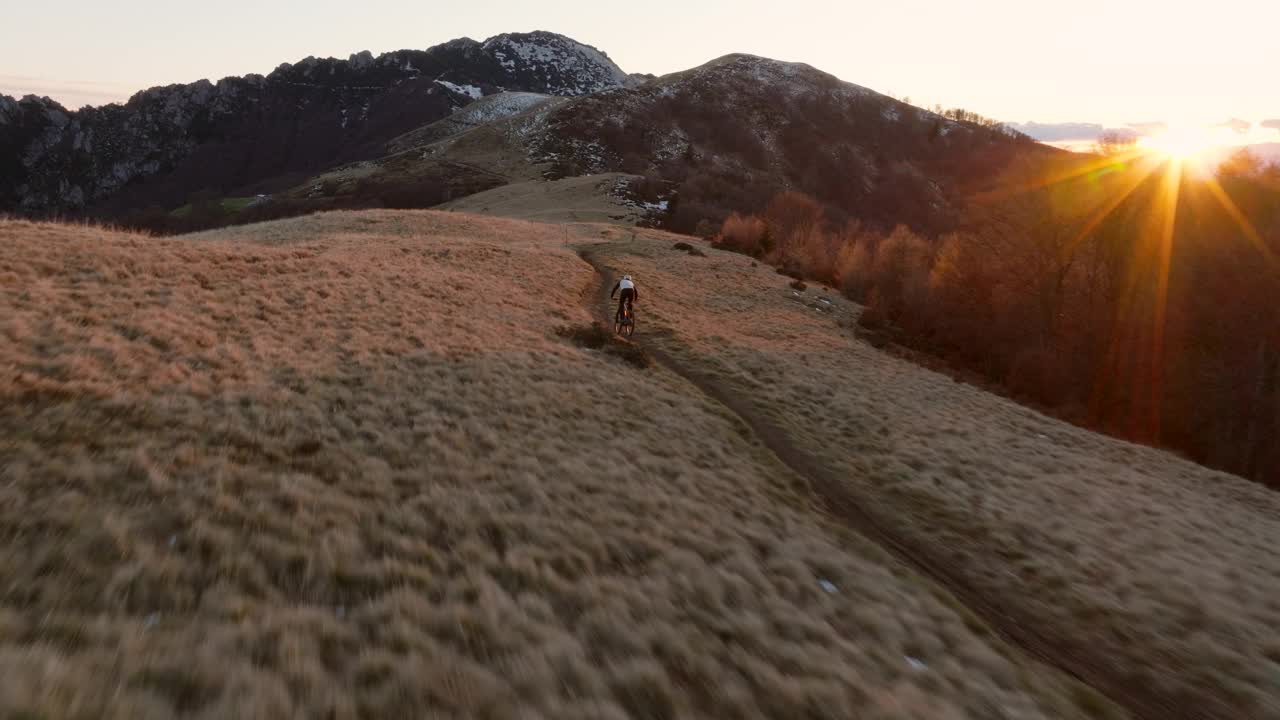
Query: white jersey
(625, 284)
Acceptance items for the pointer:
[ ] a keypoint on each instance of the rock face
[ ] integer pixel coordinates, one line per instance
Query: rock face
(559, 65)
(257, 132)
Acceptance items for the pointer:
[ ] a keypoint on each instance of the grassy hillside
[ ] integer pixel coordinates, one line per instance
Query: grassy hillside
(226, 205)
(1157, 575)
(589, 198)
(349, 465)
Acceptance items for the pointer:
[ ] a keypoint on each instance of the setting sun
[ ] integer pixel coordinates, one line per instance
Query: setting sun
(1183, 142)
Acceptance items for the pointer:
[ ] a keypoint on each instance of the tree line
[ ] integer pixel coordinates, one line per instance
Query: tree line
(1128, 294)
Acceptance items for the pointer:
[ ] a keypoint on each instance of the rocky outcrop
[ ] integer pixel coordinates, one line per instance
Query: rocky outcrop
(245, 132)
(556, 63)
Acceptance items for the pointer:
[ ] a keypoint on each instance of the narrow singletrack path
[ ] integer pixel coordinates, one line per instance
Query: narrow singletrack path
(838, 496)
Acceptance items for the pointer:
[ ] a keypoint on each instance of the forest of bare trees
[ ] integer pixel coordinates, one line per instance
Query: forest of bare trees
(1121, 293)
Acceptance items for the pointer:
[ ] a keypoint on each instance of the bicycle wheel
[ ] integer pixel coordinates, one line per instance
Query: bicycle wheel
(629, 328)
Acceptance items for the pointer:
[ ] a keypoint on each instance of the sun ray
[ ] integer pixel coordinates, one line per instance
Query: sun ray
(1097, 167)
(1220, 194)
(1137, 179)
(1172, 187)
(1135, 346)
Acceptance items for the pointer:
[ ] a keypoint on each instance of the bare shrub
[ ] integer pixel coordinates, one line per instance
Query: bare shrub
(814, 254)
(853, 269)
(874, 316)
(746, 235)
(795, 222)
(901, 271)
(793, 213)
(966, 282)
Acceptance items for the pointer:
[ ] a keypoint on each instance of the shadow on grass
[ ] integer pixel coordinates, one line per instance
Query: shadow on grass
(689, 249)
(597, 337)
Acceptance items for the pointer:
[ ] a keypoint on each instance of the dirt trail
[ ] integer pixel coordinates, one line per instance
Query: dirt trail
(835, 494)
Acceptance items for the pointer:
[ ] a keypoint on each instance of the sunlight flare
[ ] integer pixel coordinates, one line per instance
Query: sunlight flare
(1184, 142)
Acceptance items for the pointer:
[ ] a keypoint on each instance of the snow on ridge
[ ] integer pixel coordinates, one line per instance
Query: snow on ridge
(599, 59)
(470, 91)
(498, 106)
(567, 66)
(796, 78)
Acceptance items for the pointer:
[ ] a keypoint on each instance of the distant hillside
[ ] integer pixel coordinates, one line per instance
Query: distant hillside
(257, 133)
(724, 137)
(414, 129)
(732, 133)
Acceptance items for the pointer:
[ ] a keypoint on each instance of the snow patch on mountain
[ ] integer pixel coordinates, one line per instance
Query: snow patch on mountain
(566, 66)
(790, 78)
(499, 106)
(470, 91)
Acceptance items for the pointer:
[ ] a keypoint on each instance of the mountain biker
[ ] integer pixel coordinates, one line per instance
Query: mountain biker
(629, 295)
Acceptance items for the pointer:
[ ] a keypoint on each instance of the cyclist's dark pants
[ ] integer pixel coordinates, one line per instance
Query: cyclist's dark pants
(625, 299)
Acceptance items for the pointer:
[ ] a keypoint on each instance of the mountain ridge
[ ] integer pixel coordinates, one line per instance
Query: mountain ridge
(53, 159)
(733, 132)
(391, 131)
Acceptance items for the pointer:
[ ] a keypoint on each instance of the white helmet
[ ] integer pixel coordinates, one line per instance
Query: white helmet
(626, 277)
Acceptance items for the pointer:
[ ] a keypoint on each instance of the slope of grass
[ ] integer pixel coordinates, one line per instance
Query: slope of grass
(348, 465)
(1162, 571)
(228, 205)
(587, 198)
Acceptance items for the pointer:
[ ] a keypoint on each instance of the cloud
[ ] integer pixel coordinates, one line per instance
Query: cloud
(72, 93)
(1149, 128)
(1071, 135)
(1085, 136)
(1055, 132)
(1240, 127)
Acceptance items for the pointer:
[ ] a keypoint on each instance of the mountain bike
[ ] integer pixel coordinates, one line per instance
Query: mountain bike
(624, 322)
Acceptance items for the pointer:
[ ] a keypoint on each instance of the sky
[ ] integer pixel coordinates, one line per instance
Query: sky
(1111, 63)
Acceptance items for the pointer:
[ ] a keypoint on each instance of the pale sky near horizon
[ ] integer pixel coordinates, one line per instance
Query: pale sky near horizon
(1102, 61)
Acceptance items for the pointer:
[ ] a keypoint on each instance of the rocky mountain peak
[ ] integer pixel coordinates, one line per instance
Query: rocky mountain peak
(562, 65)
(361, 60)
(315, 111)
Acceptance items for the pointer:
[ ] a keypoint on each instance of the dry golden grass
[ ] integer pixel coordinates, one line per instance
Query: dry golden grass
(346, 466)
(1166, 572)
(583, 198)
